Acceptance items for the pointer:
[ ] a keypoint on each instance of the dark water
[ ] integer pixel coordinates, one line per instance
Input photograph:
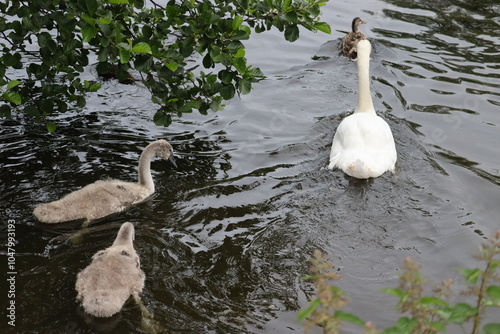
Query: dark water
(227, 236)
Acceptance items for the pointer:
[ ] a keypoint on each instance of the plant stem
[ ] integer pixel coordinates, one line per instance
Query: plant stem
(487, 274)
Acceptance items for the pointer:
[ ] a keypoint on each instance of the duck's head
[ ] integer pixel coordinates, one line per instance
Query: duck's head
(356, 23)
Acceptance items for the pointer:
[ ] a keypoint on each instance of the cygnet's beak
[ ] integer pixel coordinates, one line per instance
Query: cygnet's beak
(362, 22)
(172, 160)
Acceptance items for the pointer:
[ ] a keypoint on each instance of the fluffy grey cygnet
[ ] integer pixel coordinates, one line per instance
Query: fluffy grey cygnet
(113, 276)
(103, 198)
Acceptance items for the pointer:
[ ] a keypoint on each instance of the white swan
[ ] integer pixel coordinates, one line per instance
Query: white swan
(363, 145)
(103, 198)
(113, 276)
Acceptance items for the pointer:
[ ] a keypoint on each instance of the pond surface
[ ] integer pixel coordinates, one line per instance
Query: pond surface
(226, 238)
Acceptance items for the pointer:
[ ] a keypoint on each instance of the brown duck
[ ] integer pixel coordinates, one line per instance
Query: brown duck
(351, 40)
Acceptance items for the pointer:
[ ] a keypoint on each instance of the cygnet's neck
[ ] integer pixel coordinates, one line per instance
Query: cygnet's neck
(125, 235)
(145, 178)
(365, 103)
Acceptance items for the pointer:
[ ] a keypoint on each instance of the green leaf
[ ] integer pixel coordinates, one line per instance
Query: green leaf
(458, 313)
(162, 119)
(5, 111)
(51, 127)
(292, 17)
(216, 104)
(227, 92)
(171, 11)
(43, 39)
(207, 61)
(395, 292)
(427, 301)
(493, 328)
(13, 83)
(226, 76)
(124, 56)
(493, 292)
(142, 47)
(87, 18)
(304, 314)
(173, 66)
(471, 275)
(256, 72)
(243, 3)
(91, 86)
(240, 53)
(244, 86)
(12, 97)
(403, 326)
(349, 318)
(240, 64)
(92, 5)
(237, 21)
(235, 46)
(286, 4)
(494, 264)
(143, 63)
(439, 326)
(323, 26)
(70, 45)
(211, 79)
(117, 2)
(216, 55)
(88, 32)
(105, 20)
(292, 33)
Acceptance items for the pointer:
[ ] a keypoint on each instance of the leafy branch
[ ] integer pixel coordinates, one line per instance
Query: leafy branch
(164, 43)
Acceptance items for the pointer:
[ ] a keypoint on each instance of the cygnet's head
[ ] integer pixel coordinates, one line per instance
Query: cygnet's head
(164, 150)
(356, 22)
(126, 235)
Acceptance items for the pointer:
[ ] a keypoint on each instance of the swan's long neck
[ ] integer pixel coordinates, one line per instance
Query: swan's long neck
(125, 235)
(145, 178)
(365, 103)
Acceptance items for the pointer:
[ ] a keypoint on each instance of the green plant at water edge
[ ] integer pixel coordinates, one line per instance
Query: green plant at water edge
(421, 314)
(189, 54)
(325, 309)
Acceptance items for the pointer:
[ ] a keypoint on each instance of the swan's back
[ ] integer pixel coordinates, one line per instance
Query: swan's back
(94, 201)
(113, 276)
(363, 146)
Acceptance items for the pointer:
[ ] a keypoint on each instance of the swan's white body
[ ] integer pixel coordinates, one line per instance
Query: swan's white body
(103, 198)
(113, 276)
(363, 145)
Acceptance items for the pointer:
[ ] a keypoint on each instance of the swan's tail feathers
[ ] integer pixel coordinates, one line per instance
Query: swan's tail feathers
(125, 235)
(103, 304)
(331, 165)
(334, 160)
(357, 165)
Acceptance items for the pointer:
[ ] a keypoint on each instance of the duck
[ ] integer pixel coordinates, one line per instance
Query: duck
(351, 40)
(106, 197)
(112, 277)
(363, 145)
